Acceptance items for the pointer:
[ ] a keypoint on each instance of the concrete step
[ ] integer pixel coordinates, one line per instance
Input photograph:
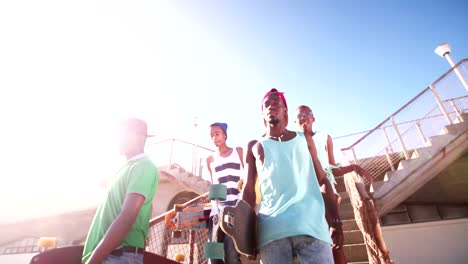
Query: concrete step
(440, 141)
(424, 153)
(388, 175)
(346, 211)
(353, 237)
(456, 129)
(340, 185)
(350, 225)
(377, 185)
(344, 197)
(356, 252)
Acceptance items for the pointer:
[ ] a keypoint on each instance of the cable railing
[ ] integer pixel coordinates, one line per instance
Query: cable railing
(187, 155)
(411, 127)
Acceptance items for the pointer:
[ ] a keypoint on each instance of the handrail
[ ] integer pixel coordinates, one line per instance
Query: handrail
(406, 122)
(182, 141)
(404, 106)
(387, 119)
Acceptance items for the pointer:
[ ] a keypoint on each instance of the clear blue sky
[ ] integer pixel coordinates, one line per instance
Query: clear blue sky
(69, 71)
(354, 62)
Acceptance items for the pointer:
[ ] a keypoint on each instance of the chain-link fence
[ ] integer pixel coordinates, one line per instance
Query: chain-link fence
(190, 244)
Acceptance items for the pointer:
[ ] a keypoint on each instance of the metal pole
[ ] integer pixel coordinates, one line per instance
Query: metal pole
(191, 245)
(354, 156)
(457, 112)
(388, 140)
(200, 168)
(421, 134)
(400, 139)
(439, 103)
(195, 146)
(171, 156)
(455, 69)
(389, 159)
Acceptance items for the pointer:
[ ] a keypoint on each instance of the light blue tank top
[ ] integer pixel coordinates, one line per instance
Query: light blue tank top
(292, 203)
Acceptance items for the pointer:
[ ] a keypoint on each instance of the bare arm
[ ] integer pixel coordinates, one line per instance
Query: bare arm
(250, 168)
(329, 196)
(209, 160)
(347, 169)
(119, 228)
(240, 151)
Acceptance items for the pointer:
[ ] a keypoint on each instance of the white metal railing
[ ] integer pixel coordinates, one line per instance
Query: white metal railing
(187, 155)
(411, 126)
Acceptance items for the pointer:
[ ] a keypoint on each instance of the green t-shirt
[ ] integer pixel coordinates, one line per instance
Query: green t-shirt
(137, 176)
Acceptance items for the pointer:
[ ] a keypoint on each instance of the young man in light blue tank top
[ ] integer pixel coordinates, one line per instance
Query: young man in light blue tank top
(291, 215)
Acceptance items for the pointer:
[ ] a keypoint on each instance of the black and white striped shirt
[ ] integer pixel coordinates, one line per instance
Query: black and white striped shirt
(228, 171)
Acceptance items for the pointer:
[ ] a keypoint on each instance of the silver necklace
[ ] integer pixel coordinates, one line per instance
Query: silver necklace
(280, 137)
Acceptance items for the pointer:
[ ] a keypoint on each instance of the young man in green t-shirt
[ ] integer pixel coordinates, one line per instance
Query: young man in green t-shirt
(120, 226)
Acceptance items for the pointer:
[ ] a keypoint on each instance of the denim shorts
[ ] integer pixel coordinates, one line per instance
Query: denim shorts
(125, 258)
(307, 249)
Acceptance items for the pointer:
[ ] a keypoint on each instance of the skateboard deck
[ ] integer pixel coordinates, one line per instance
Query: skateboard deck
(188, 218)
(72, 255)
(239, 222)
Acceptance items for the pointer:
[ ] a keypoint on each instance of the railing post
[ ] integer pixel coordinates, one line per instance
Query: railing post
(200, 168)
(354, 156)
(457, 72)
(389, 159)
(439, 103)
(421, 134)
(457, 112)
(400, 139)
(191, 245)
(388, 140)
(171, 156)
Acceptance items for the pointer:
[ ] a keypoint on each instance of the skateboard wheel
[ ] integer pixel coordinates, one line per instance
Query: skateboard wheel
(218, 191)
(168, 219)
(176, 234)
(214, 250)
(179, 207)
(179, 257)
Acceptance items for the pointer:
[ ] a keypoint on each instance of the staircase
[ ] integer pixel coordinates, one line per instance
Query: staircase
(354, 247)
(424, 164)
(193, 182)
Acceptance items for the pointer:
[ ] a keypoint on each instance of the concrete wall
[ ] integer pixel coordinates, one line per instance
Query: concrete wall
(430, 242)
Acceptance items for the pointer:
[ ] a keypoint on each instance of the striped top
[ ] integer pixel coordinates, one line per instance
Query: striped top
(228, 171)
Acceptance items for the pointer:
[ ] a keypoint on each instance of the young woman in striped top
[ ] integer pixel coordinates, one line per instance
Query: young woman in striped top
(225, 167)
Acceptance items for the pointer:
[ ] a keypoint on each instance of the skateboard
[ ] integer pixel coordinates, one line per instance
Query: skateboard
(187, 218)
(73, 254)
(215, 248)
(239, 222)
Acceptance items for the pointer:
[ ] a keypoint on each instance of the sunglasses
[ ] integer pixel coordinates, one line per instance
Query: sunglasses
(306, 115)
